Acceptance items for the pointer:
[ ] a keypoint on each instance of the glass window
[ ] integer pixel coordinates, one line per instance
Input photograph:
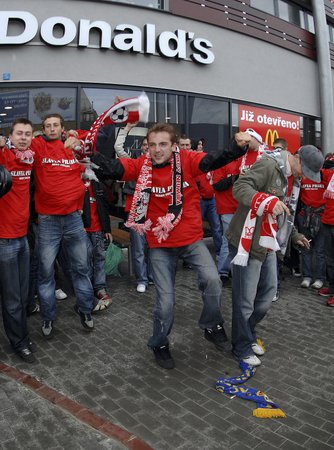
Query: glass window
(158, 4)
(209, 119)
(310, 23)
(289, 12)
(264, 5)
(35, 103)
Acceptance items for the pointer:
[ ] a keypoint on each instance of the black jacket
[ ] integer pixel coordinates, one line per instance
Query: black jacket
(102, 207)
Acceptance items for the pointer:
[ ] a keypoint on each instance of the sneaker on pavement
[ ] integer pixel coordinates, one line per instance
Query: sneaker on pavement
(141, 287)
(86, 319)
(47, 329)
(163, 357)
(325, 292)
(296, 272)
(306, 283)
(27, 355)
(276, 297)
(32, 346)
(252, 360)
(104, 300)
(317, 284)
(218, 337)
(330, 301)
(60, 294)
(258, 349)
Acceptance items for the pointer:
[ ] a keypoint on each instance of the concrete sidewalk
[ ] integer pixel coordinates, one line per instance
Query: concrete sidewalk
(112, 374)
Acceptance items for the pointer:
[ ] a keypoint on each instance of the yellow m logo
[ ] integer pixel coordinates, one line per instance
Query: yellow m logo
(272, 135)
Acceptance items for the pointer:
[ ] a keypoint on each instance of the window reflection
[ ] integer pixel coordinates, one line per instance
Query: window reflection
(209, 119)
(35, 103)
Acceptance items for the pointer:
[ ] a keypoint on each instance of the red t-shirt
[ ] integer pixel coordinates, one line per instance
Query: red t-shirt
(312, 193)
(205, 186)
(59, 188)
(189, 229)
(95, 223)
(328, 214)
(225, 202)
(14, 206)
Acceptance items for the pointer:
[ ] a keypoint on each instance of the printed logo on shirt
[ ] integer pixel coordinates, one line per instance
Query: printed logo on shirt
(21, 174)
(160, 191)
(59, 162)
(313, 187)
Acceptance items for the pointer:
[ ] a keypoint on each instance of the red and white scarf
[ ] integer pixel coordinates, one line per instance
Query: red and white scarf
(262, 205)
(137, 216)
(243, 164)
(329, 192)
(129, 110)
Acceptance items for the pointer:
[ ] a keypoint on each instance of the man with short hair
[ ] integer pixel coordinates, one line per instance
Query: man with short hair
(18, 159)
(252, 236)
(166, 207)
(280, 144)
(184, 142)
(58, 200)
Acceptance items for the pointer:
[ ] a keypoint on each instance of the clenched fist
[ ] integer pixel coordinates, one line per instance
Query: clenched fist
(242, 138)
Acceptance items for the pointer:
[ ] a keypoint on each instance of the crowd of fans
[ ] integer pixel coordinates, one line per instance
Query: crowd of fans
(265, 208)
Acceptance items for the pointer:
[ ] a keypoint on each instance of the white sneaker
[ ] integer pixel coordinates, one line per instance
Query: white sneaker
(60, 294)
(252, 360)
(257, 349)
(141, 288)
(317, 284)
(306, 283)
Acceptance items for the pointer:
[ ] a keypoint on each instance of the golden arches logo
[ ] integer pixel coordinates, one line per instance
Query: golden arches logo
(272, 135)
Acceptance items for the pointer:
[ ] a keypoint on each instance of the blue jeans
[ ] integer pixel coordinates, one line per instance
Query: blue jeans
(253, 288)
(96, 260)
(209, 212)
(141, 265)
(164, 263)
(224, 260)
(14, 287)
(68, 231)
(318, 251)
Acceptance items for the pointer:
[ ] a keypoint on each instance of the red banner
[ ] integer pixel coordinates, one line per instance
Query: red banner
(271, 125)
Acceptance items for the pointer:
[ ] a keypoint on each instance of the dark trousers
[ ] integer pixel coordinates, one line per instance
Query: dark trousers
(328, 231)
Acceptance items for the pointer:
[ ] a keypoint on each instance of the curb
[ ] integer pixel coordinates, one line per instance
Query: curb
(76, 410)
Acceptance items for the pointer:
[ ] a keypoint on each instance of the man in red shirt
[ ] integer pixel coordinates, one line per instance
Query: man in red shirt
(58, 201)
(166, 206)
(14, 250)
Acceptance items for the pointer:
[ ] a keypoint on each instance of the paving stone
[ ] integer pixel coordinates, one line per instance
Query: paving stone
(114, 373)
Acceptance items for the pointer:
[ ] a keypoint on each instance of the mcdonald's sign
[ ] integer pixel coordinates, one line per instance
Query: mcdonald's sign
(271, 124)
(271, 135)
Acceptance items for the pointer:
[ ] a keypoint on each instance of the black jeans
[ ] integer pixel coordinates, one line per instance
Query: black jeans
(328, 231)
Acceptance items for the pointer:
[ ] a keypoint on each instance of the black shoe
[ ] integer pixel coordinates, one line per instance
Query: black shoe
(163, 357)
(187, 265)
(27, 355)
(218, 337)
(32, 346)
(47, 329)
(86, 319)
(225, 280)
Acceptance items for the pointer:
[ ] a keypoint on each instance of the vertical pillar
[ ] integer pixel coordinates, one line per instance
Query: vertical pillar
(325, 76)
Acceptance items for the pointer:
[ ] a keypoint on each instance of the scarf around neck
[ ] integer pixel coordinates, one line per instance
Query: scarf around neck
(26, 156)
(137, 219)
(274, 232)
